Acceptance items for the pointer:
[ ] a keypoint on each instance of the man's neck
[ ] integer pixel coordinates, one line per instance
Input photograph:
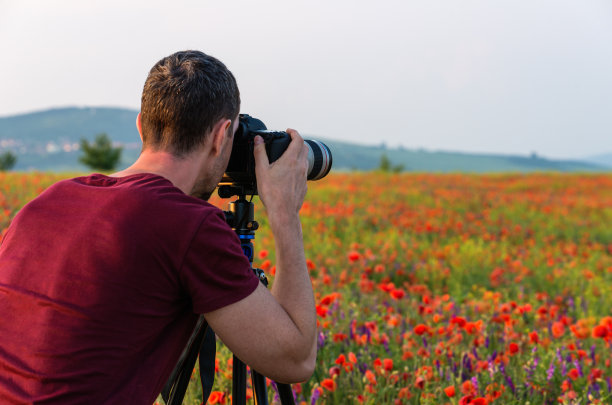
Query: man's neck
(181, 172)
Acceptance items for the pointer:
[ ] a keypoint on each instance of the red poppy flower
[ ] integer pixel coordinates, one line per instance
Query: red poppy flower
(329, 384)
(216, 397)
(600, 331)
(513, 348)
(353, 256)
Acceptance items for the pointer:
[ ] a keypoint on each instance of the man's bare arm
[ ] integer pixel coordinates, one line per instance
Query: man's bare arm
(275, 332)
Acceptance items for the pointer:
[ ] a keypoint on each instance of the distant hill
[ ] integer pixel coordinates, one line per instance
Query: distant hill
(604, 160)
(48, 141)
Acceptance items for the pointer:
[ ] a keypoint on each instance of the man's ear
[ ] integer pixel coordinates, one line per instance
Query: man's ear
(139, 125)
(218, 134)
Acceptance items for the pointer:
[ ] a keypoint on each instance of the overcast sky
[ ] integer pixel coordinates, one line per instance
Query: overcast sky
(505, 76)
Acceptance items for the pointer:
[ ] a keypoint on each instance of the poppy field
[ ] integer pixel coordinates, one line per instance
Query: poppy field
(443, 288)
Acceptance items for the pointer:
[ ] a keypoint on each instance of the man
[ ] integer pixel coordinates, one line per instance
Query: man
(102, 277)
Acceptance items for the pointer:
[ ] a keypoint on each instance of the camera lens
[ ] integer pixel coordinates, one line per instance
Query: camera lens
(319, 159)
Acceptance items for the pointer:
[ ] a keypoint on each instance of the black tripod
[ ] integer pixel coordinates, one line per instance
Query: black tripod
(240, 218)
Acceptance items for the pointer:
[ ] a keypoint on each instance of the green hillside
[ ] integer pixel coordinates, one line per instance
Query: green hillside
(48, 140)
(352, 156)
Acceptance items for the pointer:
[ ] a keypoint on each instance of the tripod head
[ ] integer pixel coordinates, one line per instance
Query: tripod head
(240, 217)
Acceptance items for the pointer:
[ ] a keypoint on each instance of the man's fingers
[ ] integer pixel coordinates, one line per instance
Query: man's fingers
(259, 152)
(297, 142)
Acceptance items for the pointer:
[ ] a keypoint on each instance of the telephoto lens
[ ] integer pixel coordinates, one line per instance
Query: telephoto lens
(319, 159)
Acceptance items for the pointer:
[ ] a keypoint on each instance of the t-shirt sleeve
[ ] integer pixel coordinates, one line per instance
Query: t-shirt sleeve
(215, 271)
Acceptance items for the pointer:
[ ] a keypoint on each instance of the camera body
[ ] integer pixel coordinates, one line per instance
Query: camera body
(239, 177)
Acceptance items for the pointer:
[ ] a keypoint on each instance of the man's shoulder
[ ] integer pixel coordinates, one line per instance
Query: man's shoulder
(146, 188)
(143, 198)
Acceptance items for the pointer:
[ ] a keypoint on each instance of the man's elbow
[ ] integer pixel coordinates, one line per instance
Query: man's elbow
(308, 366)
(301, 370)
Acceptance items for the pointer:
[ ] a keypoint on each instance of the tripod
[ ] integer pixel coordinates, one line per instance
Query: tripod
(240, 218)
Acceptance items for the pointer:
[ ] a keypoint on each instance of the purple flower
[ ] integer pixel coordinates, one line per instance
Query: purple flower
(315, 396)
(276, 396)
(562, 362)
(596, 388)
(502, 368)
(531, 370)
(578, 367)
(551, 371)
(475, 384)
(321, 340)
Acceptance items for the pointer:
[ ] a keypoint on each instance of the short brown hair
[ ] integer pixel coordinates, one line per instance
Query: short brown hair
(184, 95)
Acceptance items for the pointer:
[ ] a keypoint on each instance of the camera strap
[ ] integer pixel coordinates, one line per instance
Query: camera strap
(208, 352)
(201, 344)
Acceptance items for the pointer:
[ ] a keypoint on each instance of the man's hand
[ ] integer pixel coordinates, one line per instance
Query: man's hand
(282, 184)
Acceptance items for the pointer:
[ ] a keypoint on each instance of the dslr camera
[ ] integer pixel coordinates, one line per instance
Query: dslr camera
(239, 178)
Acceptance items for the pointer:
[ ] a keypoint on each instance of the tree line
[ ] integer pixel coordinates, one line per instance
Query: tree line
(101, 155)
(98, 155)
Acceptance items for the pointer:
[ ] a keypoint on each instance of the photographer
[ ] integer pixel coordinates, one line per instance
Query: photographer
(102, 277)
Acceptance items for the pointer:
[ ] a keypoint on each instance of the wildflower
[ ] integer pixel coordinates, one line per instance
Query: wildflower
(353, 256)
(420, 329)
(513, 348)
(388, 364)
(329, 384)
(557, 329)
(404, 393)
(321, 310)
(370, 377)
(566, 385)
(467, 388)
(450, 391)
(335, 370)
(466, 400)
(316, 393)
(397, 294)
(216, 397)
(600, 331)
(459, 321)
(573, 374)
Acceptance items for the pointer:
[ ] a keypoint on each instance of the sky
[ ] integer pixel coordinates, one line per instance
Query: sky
(504, 76)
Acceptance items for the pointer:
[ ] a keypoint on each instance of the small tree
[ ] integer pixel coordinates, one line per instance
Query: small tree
(385, 165)
(100, 155)
(7, 161)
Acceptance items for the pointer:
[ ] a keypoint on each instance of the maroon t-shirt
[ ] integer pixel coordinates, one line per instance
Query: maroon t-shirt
(101, 281)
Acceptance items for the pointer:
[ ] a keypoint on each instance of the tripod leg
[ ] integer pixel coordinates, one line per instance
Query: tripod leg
(286, 394)
(259, 388)
(238, 382)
